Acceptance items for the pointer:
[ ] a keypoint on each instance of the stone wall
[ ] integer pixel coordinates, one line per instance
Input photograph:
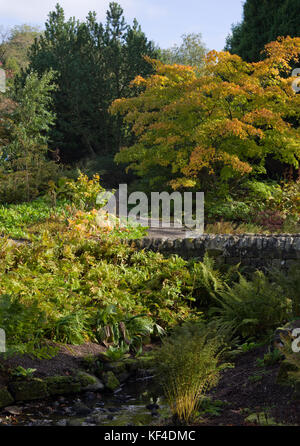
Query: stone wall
(254, 251)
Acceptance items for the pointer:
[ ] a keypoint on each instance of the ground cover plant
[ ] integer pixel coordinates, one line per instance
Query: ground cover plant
(76, 282)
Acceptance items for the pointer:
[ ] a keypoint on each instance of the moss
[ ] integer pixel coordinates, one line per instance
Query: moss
(116, 367)
(110, 381)
(29, 390)
(5, 397)
(146, 361)
(214, 252)
(59, 385)
(131, 364)
(89, 362)
(89, 382)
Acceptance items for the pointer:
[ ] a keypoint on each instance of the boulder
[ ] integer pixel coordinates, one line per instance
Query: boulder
(89, 382)
(110, 381)
(60, 385)
(5, 397)
(29, 390)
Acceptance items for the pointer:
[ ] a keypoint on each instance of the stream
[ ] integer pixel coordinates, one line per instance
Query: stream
(137, 403)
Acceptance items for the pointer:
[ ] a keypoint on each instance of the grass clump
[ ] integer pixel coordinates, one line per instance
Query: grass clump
(188, 365)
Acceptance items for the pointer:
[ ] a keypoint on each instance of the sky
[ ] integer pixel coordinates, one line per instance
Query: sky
(163, 21)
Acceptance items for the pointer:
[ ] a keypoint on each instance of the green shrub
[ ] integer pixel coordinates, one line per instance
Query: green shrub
(22, 322)
(61, 285)
(71, 328)
(259, 190)
(270, 358)
(16, 219)
(251, 308)
(207, 281)
(228, 211)
(290, 284)
(82, 192)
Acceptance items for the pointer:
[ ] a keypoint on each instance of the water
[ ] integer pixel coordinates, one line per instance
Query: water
(135, 404)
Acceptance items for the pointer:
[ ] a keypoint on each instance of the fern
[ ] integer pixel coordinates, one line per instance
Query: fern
(251, 308)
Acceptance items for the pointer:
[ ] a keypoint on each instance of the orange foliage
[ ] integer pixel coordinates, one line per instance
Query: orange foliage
(231, 115)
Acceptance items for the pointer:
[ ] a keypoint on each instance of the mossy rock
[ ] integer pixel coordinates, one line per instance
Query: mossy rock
(60, 385)
(117, 367)
(110, 381)
(89, 362)
(214, 252)
(145, 362)
(89, 382)
(5, 397)
(29, 390)
(131, 364)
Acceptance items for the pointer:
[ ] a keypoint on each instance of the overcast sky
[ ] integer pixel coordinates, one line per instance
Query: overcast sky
(163, 21)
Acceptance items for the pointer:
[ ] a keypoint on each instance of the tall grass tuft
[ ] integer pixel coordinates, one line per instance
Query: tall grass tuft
(188, 366)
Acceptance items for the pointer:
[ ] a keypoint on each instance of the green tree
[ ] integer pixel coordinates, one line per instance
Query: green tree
(15, 44)
(263, 21)
(26, 118)
(94, 64)
(191, 51)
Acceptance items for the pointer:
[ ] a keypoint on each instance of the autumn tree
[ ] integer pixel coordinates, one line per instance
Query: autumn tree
(221, 125)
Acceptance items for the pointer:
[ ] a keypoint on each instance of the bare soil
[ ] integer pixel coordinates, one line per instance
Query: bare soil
(248, 389)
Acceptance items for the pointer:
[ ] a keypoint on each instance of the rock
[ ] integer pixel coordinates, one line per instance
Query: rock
(117, 367)
(110, 381)
(75, 422)
(58, 385)
(81, 409)
(5, 397)
(89, 382)
(113, 409)
(89, 396)
(124, 377)
(61, 423)
(131, 364)
(29, 390)
(98, 419)
(152, 406)
(14, 410)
